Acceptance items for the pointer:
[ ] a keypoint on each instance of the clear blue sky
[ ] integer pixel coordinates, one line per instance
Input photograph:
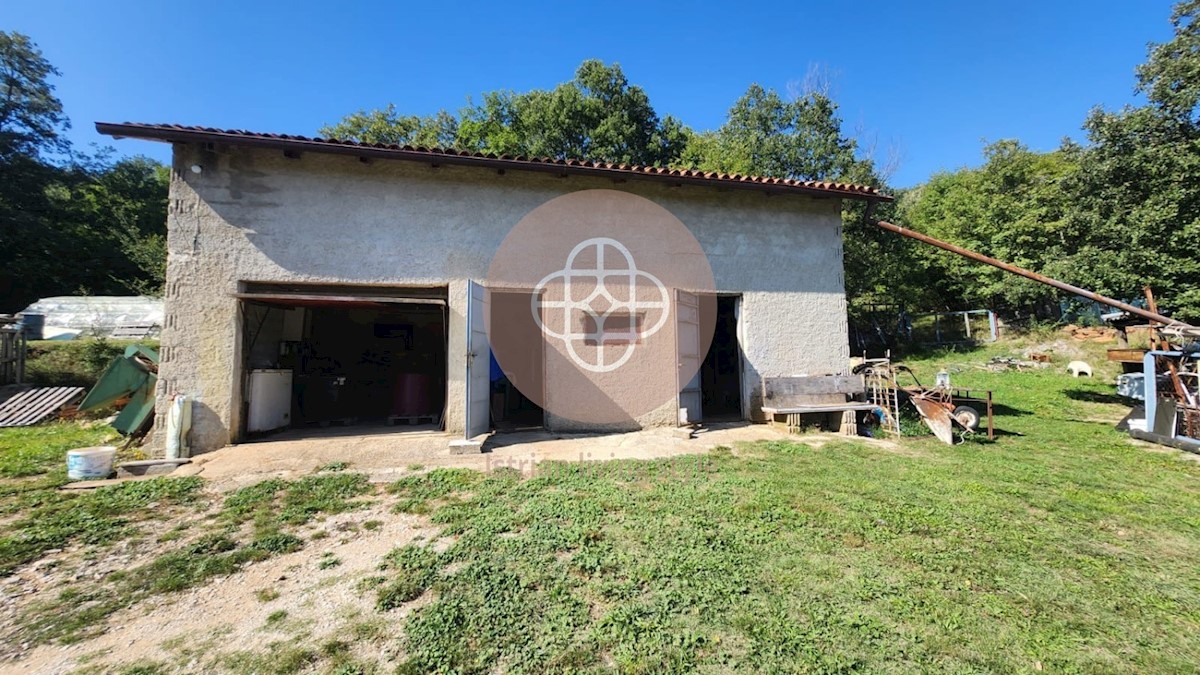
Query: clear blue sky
(934, 79)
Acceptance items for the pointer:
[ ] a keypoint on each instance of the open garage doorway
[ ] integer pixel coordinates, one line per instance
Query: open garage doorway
(342, 356)
(721, 371)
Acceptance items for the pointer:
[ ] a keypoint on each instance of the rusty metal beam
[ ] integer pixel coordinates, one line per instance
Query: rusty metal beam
(1040, 278)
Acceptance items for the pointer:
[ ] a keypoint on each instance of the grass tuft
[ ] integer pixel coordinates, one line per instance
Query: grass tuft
(58, 519)
(417, 492)
(95, 518)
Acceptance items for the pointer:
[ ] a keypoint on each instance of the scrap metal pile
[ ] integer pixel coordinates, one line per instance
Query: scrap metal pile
(128, 383)
(1170, 378)
(1169, 387)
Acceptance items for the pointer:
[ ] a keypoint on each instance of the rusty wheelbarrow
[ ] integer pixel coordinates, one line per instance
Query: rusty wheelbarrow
(937, 408)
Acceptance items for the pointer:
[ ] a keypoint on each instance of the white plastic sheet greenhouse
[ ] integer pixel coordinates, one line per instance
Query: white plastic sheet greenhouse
(67, 317)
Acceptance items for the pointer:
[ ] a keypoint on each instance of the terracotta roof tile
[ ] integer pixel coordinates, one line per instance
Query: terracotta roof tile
(183, 134)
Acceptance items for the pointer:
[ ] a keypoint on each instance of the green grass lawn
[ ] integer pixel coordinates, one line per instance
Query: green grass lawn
(36, 519)
(1062, 546)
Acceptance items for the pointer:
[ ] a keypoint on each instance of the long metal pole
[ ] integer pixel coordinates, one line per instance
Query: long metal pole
(1020, 271)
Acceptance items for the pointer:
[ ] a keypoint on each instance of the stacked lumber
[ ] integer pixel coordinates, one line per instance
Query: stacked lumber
(1090, 333)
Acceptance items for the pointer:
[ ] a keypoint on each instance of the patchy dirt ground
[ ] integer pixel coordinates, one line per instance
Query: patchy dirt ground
(384, 454)
(79, 565)
(287, 598)
(319, 595)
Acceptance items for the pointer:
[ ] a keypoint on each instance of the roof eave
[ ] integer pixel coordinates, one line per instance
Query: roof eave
(175, 135)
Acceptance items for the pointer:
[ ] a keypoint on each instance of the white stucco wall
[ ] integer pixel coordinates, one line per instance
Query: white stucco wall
(255, 215)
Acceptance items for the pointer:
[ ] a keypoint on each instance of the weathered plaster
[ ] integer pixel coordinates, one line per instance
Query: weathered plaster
(255, 215)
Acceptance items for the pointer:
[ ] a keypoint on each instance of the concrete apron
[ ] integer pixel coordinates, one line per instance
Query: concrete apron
(385, 456)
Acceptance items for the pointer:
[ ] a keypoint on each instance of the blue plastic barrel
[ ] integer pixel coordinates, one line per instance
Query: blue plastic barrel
(33, 325)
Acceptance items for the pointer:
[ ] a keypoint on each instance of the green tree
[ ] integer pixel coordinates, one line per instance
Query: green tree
(31, 125)
(68, 221)
(1137, 209)
(1137, 215)
(1119, 213)
(1171, 75)
(765, 135)
(388, 127)
(126, 206)
(802, 138)
(1014, 208)
(597, 115)
(31, 116)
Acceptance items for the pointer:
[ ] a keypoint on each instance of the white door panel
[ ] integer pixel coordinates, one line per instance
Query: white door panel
(479, 362)
(687, 347)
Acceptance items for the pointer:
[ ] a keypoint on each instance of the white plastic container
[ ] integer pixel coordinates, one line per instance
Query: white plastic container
(90, 463)
(179, 421)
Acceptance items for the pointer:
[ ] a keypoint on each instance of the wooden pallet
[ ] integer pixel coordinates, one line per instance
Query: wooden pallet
(338, 421)
(33, 406)
(412, 419)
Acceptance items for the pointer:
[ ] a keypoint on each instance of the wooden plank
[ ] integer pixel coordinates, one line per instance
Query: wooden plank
(782, 387)
(819, 408)
(34, 402)
(789, 392)
(41, 406)
(17, 409)
(153, 462)
(302, 299)
(1126, 355)
(133, 331)
(32, 406)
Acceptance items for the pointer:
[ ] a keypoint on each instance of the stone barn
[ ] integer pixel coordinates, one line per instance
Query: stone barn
(315, 282)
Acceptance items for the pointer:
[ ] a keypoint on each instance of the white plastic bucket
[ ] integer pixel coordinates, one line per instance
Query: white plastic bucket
(90, 463)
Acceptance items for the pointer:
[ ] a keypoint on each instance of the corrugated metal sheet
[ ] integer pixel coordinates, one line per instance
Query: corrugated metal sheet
(33, 406)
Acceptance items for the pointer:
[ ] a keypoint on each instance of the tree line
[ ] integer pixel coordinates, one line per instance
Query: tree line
(1113, 214)
(71, 221)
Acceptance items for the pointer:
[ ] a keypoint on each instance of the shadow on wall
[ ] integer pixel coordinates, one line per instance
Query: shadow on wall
(327, 218)
(208, 432)
(335, 218)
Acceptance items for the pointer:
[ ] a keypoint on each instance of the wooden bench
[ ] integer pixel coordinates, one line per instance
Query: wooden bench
(791, 398)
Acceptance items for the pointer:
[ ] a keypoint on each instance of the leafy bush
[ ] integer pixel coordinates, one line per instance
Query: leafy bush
(277, 542)
(276, 502)
(73, 363)
(415, 570)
